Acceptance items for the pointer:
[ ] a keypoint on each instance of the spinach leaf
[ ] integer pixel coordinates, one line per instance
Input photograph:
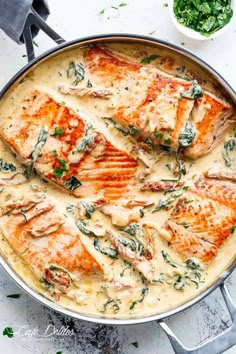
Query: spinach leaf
(72, 183)
(228, 147)
(82, 226)
(144, 293)
(56, 268)
(168, 260)
(187, 136)
(194, 92)
(76, 70)
(114, 305)
(7, 167)
(37, 151)
(87, 139)
(148, 60)
(89, 209)
(108, 251)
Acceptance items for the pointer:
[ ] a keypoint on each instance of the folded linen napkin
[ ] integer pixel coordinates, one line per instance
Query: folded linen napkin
(13, 15)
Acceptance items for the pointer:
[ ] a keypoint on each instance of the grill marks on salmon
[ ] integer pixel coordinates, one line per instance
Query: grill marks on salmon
(46, 240)
(73, 149)
(150, 100)
(202, 221)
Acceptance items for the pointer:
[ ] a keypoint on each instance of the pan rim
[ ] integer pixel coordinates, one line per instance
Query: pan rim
(112, 321)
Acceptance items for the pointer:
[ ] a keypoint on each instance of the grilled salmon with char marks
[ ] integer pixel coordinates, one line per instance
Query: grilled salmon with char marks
(202, 221)
(74, 155)
(46, 240)
(153, 102)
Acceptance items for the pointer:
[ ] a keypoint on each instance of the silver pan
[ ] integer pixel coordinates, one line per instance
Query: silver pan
(226, 339)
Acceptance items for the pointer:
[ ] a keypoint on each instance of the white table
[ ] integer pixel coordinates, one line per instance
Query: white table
(78, 18)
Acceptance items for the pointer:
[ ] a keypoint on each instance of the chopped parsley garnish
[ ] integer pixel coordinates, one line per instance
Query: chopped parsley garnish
(135, 344)
(101, 12)
(8, 331)
(72, 183)
(205, 17)
(148, 60)
(167, 141)
(58, 172)
(233, 229)
(158, 134)
(14, 296)
(57, 132)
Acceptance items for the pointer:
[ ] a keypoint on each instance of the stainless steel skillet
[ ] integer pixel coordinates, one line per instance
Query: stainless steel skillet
(226, 339)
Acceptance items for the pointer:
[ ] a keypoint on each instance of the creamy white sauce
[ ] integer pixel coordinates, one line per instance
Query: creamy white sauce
(93, 293)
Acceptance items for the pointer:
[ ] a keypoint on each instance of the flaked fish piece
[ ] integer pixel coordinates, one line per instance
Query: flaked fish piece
(125, 212)
(155, 103)
(15, 178)
(85, 91)
(223, 192)
(67, 150)
(212, 117)
(158, 186)
(50, 244)
(138, 260)
(202, 220)
(218, 173)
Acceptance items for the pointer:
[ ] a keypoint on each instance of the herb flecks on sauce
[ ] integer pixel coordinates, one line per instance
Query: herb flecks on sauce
(205, 17)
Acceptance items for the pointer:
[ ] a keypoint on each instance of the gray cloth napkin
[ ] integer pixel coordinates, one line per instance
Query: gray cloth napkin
(13, 14)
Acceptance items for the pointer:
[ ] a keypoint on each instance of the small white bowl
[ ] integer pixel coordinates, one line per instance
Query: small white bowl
(188, 32)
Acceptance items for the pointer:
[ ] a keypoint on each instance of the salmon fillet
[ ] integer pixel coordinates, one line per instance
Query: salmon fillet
(48, 241)
(202, 221)
(67, 150)
(152, 101)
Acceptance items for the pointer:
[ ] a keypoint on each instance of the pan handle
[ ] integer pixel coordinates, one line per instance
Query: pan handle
(35, 19)
(217, 345)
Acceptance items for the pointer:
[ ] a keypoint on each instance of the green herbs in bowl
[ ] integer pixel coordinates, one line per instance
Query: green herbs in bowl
(204, 17)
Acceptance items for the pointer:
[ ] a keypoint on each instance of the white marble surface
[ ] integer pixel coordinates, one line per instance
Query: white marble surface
(78, 18)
